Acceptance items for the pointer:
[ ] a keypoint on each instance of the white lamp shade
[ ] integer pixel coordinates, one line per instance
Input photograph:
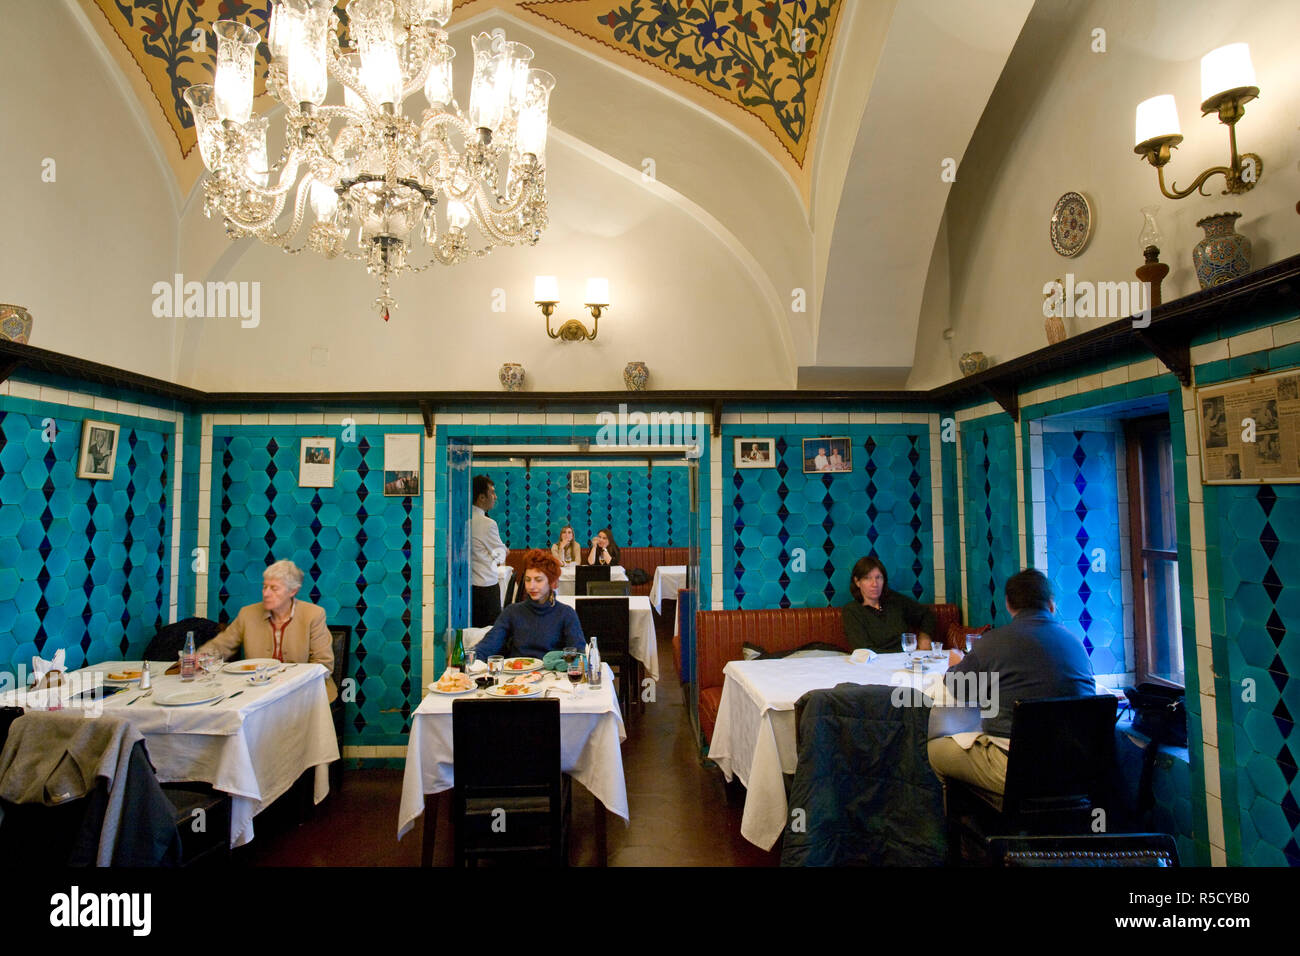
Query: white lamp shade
(534, 114)
(324, 201)
(437, 86)
(457, 214)
(306, 22)
(597, 292)
(546, 289)
(233, 84)
(1227, 68)
(490, 88)
(372, 25)
(1157, 116)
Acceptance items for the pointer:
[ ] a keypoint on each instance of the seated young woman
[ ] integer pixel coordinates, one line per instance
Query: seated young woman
(877, 617)
(531, 628)
(567, 550)
(603, 548)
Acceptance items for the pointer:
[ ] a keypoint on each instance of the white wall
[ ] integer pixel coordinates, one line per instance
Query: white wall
(1062, 119)
(81, 252)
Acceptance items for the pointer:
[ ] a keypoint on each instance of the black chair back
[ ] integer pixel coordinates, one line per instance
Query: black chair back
(7, 716)
(1062, 752)
(341, 645)
(606, 619)
(169, 641)
(607, 588)
(585, 573)
(508, 795)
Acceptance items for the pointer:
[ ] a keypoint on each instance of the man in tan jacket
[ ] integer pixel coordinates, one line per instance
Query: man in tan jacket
(280, 627)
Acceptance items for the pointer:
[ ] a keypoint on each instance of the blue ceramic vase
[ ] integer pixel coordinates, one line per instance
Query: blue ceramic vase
(1224, 253)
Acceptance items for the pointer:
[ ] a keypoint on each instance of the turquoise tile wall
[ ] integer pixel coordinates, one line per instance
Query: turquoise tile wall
(791, 539)
(992, 531)
(360, 551)
(84, 565)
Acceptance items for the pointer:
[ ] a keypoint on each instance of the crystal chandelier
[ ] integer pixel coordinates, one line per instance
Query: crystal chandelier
(372, 176)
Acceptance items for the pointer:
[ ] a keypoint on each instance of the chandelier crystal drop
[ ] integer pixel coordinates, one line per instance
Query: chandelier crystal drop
(370, 176)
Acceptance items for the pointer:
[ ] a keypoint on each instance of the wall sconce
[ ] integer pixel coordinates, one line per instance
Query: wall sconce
(546, 293)
(1227, 85)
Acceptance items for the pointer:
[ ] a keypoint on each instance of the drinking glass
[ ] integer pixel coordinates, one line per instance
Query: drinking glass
(909, 644)
(970, 642)
(469, 660)
(496, 664)
(575, 670)
(211, 664)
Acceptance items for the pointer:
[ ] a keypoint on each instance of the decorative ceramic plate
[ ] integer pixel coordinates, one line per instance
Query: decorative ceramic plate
(1071, 224)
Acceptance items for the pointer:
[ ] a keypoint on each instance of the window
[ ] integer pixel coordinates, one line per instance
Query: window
(1157, 617)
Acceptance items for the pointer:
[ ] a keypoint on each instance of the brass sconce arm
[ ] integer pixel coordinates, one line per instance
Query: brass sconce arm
(1243, 170)
(572, 330)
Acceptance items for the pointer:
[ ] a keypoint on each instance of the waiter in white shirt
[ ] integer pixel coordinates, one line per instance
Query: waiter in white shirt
(486, 551)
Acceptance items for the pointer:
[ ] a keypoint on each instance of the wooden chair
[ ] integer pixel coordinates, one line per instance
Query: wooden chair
(341, 644)
(510, 796)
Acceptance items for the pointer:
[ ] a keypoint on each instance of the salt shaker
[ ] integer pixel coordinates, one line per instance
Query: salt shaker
(146, 677)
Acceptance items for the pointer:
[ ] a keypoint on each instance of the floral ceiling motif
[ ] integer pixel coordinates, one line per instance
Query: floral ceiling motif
(767, 58)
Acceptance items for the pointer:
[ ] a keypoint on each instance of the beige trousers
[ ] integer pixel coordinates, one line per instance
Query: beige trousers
(983, 766)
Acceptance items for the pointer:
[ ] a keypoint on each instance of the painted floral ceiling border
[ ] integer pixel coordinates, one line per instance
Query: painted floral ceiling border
(767, 58)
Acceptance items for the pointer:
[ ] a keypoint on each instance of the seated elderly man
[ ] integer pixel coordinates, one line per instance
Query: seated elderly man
(280, 626)
(1032, 657)
(531, 628)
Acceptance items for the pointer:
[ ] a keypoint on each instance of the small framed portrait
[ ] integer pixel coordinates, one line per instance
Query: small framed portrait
(827, 455)
(401, 465)
(98, 450)
(755, 453)
(580, 482)
(316, 463)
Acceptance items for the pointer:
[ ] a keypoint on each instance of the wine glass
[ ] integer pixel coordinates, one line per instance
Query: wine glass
(909, 644)
(574, 667)
(210, 663)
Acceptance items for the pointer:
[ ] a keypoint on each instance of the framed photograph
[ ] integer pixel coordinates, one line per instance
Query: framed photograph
(316, 463)
(827, 455)
(580, 482)
(98, 450)
(755, 453)
(401, 465)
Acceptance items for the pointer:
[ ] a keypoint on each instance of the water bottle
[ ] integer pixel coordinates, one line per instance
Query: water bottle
(593, 664)
(188, 658)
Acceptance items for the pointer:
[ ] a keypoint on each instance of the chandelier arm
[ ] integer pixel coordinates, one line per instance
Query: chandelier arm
(257, 225)
(299, 211)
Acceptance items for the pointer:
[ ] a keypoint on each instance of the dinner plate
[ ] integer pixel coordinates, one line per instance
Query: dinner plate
(186, 698)
(528, 690)
(536, 665)
(249, 666)
(452, 693)
(122, 668)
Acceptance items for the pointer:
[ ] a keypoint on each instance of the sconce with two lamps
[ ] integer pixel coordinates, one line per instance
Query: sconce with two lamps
(546, 294)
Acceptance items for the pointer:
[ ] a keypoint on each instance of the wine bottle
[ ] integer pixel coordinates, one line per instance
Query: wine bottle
(593, 664)
(457, 661)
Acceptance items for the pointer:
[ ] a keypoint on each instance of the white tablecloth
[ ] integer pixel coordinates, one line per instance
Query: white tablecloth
(567, 577)
(641, 632)
(754, 738)
(591, 731)
(253, 747)
(668, 580)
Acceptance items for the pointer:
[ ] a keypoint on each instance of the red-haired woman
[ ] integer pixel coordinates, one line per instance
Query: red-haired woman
(531, 628)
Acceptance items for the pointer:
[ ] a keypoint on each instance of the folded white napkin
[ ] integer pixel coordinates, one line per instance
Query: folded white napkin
(478, 667)
(863, 655)
(43, 669)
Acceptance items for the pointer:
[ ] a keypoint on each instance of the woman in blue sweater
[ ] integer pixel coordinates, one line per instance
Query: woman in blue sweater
(531, 628)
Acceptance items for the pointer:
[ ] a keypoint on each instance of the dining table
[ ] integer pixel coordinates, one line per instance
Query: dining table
(642, 641)
(668, 580)
(568, 578)
(591, 735)
(252, 741)
(754, 738)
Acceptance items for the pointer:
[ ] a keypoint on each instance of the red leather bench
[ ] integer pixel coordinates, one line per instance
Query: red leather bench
(647, 559)
(720, 637)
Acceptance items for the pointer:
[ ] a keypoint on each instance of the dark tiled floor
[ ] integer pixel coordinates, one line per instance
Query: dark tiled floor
(680, 813)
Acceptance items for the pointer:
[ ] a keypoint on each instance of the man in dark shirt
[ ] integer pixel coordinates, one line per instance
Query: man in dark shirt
(877, 617)
(1032, 657)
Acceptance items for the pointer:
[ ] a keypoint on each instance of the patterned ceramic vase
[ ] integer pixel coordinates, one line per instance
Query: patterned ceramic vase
(972, 362)
(512, 376)
(1224, 253)
(15, 323)
(635, 376)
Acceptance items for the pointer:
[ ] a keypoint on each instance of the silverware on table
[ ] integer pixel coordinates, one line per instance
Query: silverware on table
(235, 694)
(141, 697)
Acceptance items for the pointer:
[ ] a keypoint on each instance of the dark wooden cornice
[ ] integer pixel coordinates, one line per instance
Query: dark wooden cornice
(1273, 288)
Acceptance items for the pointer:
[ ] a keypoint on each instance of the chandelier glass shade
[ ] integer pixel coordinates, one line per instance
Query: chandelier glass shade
(370, 177)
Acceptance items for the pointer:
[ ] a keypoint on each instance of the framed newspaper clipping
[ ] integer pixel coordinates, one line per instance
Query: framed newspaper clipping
(1250, 430)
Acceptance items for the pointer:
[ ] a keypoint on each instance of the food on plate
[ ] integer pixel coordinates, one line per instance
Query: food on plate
(245, 667)
(532, 678)
(521, 663)
(454, 683)
(512, 690)
(124, 675)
